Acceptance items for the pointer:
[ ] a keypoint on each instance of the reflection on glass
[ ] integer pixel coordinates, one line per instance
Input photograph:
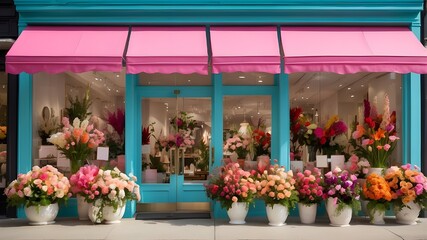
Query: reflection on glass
(320, 100)
(95, 96)
(176, 139)
(247, 129)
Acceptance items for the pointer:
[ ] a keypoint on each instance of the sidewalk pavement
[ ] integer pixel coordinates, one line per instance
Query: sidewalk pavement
(210, 229)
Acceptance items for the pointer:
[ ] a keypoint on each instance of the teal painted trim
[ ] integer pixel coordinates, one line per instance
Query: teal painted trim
(168, 91)
(217, 120)
(411, 122)
(217, 128)
(275, 122)
(248, 90)
(25, 127)
(132, 155)
(284, 107)
(69, 209)
(193, 12)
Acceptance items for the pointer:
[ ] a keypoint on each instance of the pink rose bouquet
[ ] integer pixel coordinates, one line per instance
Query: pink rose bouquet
(82, 181)
(358, 166)
(39, 187)
(276, 186)
(237, 144)
(231, 184)
(112, 188)
(309, 186)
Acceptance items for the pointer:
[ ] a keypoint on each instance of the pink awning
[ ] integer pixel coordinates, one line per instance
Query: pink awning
(167, 50)
(352, 49)
(60, 49)
(245, 49)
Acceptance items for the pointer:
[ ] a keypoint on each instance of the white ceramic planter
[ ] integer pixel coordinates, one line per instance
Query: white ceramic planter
(277, 215)
(409, 214)
(237, 213)
(110, 216)
(82, 208)
(338, 219)
(42, 215)
(307, 213)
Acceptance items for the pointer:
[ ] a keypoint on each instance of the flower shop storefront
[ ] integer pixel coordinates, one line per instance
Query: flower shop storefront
(188, 88)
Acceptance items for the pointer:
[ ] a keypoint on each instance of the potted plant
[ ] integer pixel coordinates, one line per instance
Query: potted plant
(77, 141)
(409, 192)
(277, 188)
(39, 191)
(309, 185)
(79, 108)
(239, 145)
(377, 191)
(81, 183)
(341, 193)
(108, 194)
(234, 188)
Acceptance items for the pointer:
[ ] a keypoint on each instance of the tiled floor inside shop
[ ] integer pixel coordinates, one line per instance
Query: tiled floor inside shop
(255, 228)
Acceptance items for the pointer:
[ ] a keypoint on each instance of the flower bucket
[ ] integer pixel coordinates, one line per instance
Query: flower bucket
(277, 214)
(237, 213)
(338, 218)
(378, 171)
(408, 214)
(42, 215)
(307, 213)
(82, 208)
(377, 217)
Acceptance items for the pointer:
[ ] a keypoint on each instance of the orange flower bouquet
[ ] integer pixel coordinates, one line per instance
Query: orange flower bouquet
(377, 191)
(407, 185)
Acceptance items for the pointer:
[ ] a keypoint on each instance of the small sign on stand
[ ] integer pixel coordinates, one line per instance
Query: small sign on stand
(322, 162)
(102, 153)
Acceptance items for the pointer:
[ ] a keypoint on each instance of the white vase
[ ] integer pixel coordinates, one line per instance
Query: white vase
(237, 213)
(277, 214)
(42, 215)
(377, 217)
(145, 149)
(82, 208)
(110, 216)
(341, 218)
(378, 171)
(307, 213)
(408, 214)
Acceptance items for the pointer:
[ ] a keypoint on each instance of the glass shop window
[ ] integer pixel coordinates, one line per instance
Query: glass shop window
(334, 114)
(97, 97)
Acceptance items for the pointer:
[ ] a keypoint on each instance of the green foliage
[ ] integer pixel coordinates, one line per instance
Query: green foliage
(155, 163)
(203, 162)
(79, 109)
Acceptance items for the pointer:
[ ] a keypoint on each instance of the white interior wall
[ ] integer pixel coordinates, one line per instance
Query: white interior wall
(328, 108)
(48, 90)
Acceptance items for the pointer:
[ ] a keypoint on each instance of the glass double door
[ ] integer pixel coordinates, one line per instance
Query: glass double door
(175, 153)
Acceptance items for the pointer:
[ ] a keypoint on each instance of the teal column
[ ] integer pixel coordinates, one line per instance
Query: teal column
(131, 136)
(217, 128)
(25, 127)
(411, 114)
(283, 119)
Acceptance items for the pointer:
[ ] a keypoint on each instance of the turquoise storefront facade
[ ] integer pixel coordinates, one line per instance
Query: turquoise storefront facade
(218, 13)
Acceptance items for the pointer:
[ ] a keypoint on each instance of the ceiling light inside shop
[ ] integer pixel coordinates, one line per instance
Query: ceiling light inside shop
(242, 77)
(362, 85)
(118, 75)
(260, 81)
(340, 85)
(349, 88)
(308, 87)
(352, 96)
